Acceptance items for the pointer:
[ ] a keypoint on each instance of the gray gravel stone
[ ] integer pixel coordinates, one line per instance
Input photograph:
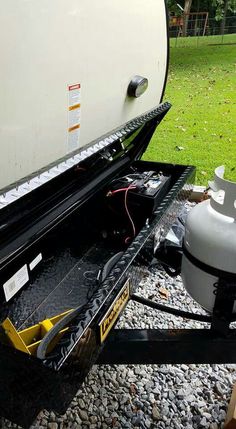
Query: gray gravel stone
(81, 403)
(213, 426)
(83, 415)
(203, 422)
(52, 425)
(218, 389)
(155, 413)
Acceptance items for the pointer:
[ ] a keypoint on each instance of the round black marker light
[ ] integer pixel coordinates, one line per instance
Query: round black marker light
(137, 86)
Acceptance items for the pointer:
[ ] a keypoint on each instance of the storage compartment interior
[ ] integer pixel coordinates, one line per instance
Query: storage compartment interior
(74, 255)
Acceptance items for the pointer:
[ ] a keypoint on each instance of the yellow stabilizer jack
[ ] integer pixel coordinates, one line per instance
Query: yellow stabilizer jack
(28, 339)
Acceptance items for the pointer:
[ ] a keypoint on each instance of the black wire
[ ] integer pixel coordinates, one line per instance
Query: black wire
(170, 310)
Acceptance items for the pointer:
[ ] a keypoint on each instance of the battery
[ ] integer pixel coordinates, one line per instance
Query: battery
(148, 193)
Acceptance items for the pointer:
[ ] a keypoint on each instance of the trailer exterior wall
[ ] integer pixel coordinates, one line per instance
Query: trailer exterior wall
(47, 46)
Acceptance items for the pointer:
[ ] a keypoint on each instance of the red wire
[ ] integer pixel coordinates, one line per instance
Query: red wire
(80, 168)
(123, 189)
(128, 213)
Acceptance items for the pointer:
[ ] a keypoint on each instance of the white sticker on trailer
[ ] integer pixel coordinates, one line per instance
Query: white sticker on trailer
(16, 282)
(74, 109)
(35, 261)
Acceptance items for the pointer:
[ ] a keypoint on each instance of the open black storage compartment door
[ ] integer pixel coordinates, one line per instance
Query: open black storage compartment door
(79, 254)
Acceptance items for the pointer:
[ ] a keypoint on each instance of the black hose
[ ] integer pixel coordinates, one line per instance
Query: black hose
(170, 310)
(170, 257)
(171, 271)
(110, 264)
(47, 339)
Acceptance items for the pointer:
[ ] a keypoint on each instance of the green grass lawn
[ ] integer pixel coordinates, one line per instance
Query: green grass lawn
(202, 120)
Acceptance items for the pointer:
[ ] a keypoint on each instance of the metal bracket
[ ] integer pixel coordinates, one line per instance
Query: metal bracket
(225, 292)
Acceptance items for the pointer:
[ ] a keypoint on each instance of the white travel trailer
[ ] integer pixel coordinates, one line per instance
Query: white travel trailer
(65, 70)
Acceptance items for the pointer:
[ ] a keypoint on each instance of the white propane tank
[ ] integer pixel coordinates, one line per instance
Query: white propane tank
(210, 241)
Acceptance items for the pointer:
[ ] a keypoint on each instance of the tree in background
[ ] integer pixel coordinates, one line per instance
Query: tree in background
(217, 9)
(187, 9)
(222, 7)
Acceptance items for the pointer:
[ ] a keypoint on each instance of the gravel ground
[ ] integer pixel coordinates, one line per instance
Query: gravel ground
(149, 396)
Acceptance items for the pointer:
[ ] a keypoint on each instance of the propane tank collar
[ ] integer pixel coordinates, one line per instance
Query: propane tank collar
(207, 268)
(227, 206)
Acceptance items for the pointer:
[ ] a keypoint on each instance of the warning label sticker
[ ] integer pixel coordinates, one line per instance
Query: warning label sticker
(74, 109)
(16, 282)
